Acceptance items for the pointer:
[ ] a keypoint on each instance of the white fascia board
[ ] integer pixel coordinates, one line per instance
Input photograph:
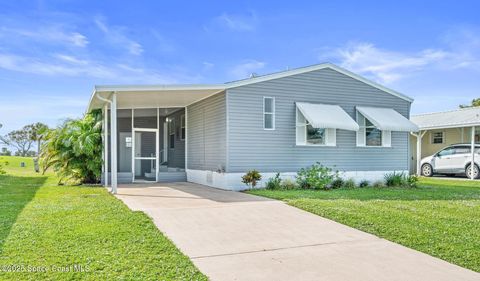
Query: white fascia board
(129, 88)
(313, 68)
(451, 126)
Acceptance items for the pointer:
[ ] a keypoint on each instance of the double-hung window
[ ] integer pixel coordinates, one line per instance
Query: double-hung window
(437, 137)
(268, 113)
(306, 134)
(371, 136)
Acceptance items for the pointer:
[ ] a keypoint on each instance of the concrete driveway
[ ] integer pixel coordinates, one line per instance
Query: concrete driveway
(236, 236)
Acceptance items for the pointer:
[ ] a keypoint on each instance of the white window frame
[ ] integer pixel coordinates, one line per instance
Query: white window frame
(432, 137)
(386, 135)
(330, 133)
(182, 127)
(270, 113)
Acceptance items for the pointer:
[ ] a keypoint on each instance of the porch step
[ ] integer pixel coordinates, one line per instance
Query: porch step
(172, 176)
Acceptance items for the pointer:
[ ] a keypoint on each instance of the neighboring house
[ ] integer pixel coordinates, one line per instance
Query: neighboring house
(281, 122)
(440, 129)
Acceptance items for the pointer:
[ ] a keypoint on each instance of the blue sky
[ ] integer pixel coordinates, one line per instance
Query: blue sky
(52, 53)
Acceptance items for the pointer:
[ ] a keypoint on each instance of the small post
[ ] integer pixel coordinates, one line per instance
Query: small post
(113, 135)
(472, 164)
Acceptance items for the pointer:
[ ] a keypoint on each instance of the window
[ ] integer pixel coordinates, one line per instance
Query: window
(446, 152)
(268, 113)
(463, 150)
(171, 132)
(371, 136)
(437, 137)
(182, 127)
(308, 135)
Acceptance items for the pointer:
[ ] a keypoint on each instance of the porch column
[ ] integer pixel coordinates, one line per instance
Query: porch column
(113, 135)
(105, 144)
(472, 164)
(419, 151)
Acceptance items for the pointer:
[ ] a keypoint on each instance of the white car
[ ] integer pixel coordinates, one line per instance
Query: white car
(453, 159)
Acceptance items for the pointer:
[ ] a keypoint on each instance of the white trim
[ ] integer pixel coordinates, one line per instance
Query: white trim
(157, 144)
(432, 137)
(364, 127)
(271, 113)
(329, 133)
(113, 135)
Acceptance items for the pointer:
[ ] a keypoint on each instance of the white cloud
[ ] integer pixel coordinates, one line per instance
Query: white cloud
(116, 36)
(246, 68)
(385, 66)
(46, 34)
(388, 66)
(63, 65)
(238, 22)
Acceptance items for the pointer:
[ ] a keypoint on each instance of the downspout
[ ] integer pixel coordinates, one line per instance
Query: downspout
(113, 133)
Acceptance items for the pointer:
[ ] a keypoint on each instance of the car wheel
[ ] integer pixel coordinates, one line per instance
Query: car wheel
(475, 171)
(427, 170)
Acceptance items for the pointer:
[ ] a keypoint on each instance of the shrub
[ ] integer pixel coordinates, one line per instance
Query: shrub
(289, 184)
(275, 182)
(350, 183)
(400, 180)
(378, 184)
(316, 176)
(74, 149)
(363, 183)
(412, 180)
(337, 183)
(251, 178)
(2, 171)
(395, 179)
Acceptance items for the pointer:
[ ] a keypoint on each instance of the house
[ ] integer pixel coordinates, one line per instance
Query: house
(281, 122)
(440, 129)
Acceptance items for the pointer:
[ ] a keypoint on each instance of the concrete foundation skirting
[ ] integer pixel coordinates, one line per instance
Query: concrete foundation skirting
(233, 181)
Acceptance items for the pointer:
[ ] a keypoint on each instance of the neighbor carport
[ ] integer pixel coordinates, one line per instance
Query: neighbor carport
(445, 128)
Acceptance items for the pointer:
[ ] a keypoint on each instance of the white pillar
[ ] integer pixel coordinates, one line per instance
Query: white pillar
(113, 135)
(105, 144)
(419, 152)
(472, 164)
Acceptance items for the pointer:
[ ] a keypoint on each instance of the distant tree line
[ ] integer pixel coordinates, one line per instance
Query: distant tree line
(23, 140)
(475, 103)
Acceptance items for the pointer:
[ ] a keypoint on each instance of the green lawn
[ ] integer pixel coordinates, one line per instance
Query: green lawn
(440, 217)
(45, 227)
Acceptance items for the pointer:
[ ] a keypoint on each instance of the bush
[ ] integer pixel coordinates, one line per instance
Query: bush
(350, 183)
(251, 178)
(289, 184)
(394, 179)
(337, 183)
(363, 183)
(412, 180)
(316, 176)
(74, 149)
(400, 180)
(2, 171)
(275, 182)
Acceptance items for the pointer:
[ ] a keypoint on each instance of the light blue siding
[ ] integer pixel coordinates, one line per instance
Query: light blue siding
(252, 147)
(206, 134)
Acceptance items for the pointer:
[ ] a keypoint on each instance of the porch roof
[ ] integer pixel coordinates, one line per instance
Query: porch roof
(147, 96)
(465, 117)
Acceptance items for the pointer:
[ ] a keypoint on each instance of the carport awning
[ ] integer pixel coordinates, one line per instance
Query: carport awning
(387, 119)
(327, 116)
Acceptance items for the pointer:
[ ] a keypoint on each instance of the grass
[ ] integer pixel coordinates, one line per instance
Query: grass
(51, 229)
(440, 217)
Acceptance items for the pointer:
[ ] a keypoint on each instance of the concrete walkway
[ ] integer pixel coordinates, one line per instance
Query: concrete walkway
(236, 236)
